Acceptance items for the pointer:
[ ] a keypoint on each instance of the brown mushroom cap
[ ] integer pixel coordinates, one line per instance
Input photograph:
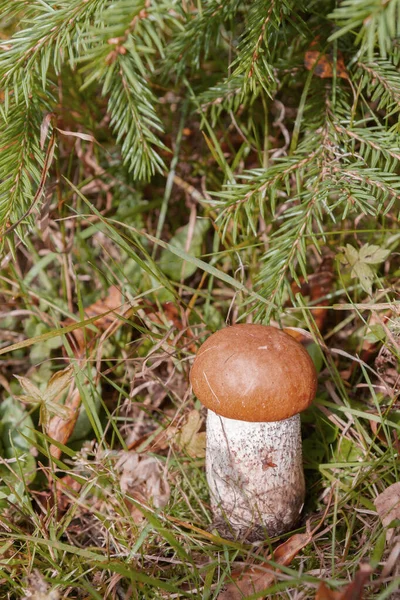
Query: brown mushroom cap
(253, 373)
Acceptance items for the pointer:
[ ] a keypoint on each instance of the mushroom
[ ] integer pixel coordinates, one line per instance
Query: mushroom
(254, 380)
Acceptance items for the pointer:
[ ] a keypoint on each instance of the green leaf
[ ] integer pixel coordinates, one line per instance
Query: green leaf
(15, 423)
(313, 451)
(350, 255)
(175, 267)
(365, 275)
(32, 393)
(190, 439)
(315, 352)
(373, 255)
(359, 261)
(347, 451)
(47, 400)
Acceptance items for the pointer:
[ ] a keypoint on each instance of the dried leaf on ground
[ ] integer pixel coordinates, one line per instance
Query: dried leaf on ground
(113, 301)
(142, 478)
(57, 384)
(324, 67)
(318, 285)
(60, 429)
(325, 593)
(353, 591)
(252, 579)
(324, 64)
(189, 438)
(286, 552)
(388, 507)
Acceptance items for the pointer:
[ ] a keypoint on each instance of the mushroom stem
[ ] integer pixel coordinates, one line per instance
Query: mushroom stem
(255, 475)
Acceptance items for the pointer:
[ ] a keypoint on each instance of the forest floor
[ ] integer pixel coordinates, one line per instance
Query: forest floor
(103, 308)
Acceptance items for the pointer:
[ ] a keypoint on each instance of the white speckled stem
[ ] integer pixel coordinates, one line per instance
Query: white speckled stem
(255, 475)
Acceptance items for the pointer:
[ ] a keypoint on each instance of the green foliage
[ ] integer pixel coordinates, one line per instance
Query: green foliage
(359, 261)
(203, 31)
(376, 23)
(380, 81)
(334, 158)
(21, 161)
(168, 168)
(268, 27)
(121, 55)
(46, 399)
(187, 238)
(17, 462)
(112, 44)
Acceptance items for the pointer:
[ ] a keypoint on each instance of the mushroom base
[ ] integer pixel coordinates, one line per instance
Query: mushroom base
(255, 475)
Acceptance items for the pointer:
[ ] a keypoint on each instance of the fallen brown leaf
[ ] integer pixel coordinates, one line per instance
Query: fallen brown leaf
(325, 593)
(142, 478)
(60, 429)
(113, 301)
(323, 64)
(189, 439)
(286, 552)
(318, 285)
(255, 578)
(353, 591)
(388, 507)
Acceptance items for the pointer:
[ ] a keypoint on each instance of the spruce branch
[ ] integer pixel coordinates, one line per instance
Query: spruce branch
(301, 215)
(116, 47)
(21, 161)
(373, 144)
(202, 32)
(251, 59)
(263, 33)
(251, 194)
(381, 81)
(225, 96)
(376, 24)
(121, 56)
(380, 185)
(53, 36)
(269, 22)
(133, 118)
(289, 248)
